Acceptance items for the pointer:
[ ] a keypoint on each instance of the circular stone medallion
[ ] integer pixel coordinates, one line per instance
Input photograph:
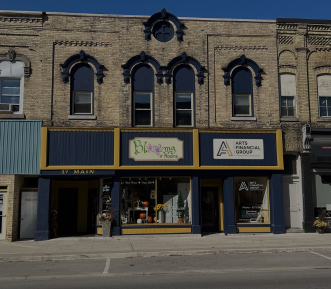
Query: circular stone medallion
(163, 31)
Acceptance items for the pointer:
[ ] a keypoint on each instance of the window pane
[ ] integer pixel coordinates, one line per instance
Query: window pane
(241, 109)
(10, 83)
(290, 111)
(284, 111)
(81, 97)
(251, 200)
(241, 99)
(323, 111)
(16, 108)
(283, 101)
(290, 165)
(142, 117)
(183, 117)
(183, 101)
(290, 101)
(10, 90)
(322, 101)
(10, 99)
(329, 111)
(143, 100)
(82, 108)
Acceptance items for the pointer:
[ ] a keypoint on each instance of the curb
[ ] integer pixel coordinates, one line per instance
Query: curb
(160, 254)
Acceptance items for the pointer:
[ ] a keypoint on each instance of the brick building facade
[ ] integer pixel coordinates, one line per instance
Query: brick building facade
(236, 93)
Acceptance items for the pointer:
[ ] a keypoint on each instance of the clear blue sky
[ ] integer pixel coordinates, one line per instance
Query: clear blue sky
(245, 9)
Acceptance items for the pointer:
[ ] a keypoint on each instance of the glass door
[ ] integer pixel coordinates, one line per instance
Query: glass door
(209, 209)
(3, 209)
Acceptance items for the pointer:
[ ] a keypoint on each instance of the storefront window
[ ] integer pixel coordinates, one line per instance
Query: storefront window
(105, 193)
(162, 200)
(251, 200)
(323, 193)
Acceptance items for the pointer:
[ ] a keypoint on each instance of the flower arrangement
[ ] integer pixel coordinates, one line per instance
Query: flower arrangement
(160, 207)
(321, 222)
(107, 217)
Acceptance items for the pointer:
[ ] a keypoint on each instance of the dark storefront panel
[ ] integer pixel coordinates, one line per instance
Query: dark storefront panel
(187, 139)
(206, 149)
(68, 148)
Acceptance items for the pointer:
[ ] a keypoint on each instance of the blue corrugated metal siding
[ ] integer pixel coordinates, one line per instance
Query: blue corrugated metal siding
(187, 137)
(20, 147)
(206, 149)
(68, 148)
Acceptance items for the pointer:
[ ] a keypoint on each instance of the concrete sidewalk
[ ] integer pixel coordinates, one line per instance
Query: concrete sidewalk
(76, 248)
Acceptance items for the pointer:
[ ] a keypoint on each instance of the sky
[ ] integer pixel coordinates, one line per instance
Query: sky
(238, 9)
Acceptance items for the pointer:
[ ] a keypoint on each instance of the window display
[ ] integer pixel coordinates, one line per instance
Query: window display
(162, 200)
(251, 200)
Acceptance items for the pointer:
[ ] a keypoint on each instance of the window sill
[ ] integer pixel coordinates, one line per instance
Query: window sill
(12, 116)
(244, 118)
(80, 117)
(290, 118)
(324, 119)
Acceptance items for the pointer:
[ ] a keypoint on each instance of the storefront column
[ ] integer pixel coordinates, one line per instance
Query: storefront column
(43, 210)
(228, 199)
(277, 204)
(196, 212)
(115, 206)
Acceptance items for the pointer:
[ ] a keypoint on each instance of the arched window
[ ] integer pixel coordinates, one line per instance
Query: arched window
(11, 87)
(324, 95)
(82, 89)
(142, 95)
(184, 87)
(287, 95)
(242, 92)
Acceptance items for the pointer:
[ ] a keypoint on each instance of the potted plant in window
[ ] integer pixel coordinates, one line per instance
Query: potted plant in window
(180, 208)
(160, 209)
(321, 222)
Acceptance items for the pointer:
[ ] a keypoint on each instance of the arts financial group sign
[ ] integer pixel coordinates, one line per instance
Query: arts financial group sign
(156, 149)
(235, 149)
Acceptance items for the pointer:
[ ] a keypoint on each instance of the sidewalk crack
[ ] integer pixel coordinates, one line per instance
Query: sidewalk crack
(131, 245)
(39, 248)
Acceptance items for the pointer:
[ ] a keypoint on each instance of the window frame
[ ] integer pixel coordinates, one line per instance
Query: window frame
(281, 97)
(192, 108)
(151, 108)
(319, 107)
(294, 106)
(13, 77)
(73, 103)
(250, 105)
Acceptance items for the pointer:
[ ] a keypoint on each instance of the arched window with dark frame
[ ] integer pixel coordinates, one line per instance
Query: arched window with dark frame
(184, 88)
(142, 95)
(242, 92)
(82, 89)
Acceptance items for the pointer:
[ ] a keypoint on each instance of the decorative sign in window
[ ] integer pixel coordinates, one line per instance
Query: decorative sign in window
(156, 149)
(235, 149)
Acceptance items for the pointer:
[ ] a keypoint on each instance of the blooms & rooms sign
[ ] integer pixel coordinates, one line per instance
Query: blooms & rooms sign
(156, 149)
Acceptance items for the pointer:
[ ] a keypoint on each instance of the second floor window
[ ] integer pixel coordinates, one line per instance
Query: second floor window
(242, 99)
(142, 98)
(184, 87)
(82, 89)
(324, 95)
(287, 95)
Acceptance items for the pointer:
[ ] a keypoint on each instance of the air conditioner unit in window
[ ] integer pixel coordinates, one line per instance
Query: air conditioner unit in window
(6, 107)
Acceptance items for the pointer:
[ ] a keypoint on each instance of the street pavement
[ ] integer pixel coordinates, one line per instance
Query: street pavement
(82, 248)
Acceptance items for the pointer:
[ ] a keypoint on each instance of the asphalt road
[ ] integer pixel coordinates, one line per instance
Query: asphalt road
(264, 270)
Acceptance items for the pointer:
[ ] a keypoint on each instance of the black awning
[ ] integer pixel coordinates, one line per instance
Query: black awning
(321, 148)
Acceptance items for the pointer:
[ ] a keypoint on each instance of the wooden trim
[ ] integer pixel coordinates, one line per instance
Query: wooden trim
(155, 231)
(117, 147)
(279, 146)
(253, 229)
(196, 153)
(43, 148)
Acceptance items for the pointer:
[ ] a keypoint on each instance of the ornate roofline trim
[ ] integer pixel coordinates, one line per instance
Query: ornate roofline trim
(242, 61)
(163, 15)
(141, 58)
(184, 59)
(11, 56)
(80, 58)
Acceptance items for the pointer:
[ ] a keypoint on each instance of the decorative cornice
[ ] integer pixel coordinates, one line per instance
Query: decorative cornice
(287, 69)
(20, 19)
(142, 57)
(287, 26)
(323, 69)
(80, 58)
(243, 61)
(11, 56)
(182, 59)
(285, 40)
(319, 27)
(321, 41)
(240, 47)
(81, 43)
(163, 15)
